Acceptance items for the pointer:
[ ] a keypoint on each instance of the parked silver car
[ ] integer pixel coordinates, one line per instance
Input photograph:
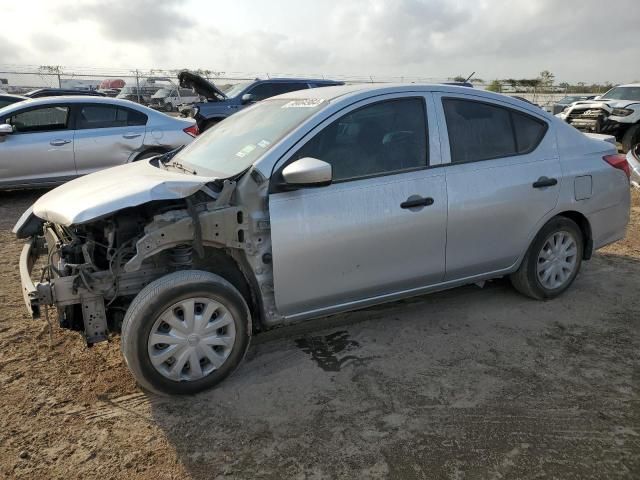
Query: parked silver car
(51, 140)
(317, 202)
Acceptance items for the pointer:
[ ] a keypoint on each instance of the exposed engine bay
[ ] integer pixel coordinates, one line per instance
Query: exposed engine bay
(92, 271)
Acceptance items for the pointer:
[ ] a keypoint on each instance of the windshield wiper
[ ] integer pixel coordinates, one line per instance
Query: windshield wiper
(180, 166)
(165, 157)
(166, 160)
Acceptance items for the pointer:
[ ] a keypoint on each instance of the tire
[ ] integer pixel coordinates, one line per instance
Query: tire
(631, 138)
(165, 297)
(545, 284)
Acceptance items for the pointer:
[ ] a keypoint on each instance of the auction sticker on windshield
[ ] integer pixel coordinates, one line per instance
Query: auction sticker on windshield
(303, 103)
(246, 150)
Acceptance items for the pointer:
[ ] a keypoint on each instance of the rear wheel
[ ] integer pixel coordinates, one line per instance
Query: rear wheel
(185, 332)
(552, 262)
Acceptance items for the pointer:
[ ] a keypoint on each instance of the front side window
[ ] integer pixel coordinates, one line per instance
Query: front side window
(483, 131)
(383, 138)
(40, 119)
(262, 91)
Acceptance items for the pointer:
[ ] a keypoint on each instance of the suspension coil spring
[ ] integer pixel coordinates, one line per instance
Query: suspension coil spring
(181, 256)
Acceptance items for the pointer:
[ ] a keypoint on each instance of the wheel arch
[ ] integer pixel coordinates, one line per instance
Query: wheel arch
(585, 228)
(231, 267)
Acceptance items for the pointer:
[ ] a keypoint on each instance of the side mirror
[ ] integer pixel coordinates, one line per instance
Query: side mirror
(5, 129)
(597, 97)
(248, 98)
(307, 172)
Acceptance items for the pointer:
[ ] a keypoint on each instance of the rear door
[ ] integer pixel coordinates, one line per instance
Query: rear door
(106, 135)
(40, 150)
(503, 177)
(357, 240)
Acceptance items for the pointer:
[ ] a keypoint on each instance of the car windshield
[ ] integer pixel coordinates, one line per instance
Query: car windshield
(237, 142)
(569, 99)
(234, 90)
(623, 93)
(163, 93)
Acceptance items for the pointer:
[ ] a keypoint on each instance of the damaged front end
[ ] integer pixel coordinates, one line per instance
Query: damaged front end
(599, 117)
(91, 271)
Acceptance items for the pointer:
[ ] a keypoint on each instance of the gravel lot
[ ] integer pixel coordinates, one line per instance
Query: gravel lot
(469, 383)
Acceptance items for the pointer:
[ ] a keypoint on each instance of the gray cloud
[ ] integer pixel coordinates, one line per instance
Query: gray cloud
(48, 42)
(143, 21)
(9, 51)
(578, 40)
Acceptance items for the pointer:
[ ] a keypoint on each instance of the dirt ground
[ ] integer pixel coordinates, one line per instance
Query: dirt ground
(469, 383)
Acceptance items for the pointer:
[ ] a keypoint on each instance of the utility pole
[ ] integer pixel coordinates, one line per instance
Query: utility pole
(138, 86)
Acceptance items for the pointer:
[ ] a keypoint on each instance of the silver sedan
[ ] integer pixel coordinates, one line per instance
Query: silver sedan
(48, 141)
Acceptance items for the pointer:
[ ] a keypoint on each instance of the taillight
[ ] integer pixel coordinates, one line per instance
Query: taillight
(192, 130)
(618, 161)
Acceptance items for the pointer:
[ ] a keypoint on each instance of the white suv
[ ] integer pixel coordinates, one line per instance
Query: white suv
(617, 113)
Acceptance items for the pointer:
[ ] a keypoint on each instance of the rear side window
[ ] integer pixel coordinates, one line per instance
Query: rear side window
(41, 119)
(482, 131)
(280, 88)
(108, 116)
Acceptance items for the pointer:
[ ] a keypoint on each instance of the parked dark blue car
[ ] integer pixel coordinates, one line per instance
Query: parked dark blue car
(219, 105)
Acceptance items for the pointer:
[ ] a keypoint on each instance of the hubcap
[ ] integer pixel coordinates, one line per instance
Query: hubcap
(557, 260)
(191, 339)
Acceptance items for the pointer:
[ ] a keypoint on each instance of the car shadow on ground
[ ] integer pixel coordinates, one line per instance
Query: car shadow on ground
(477, 382)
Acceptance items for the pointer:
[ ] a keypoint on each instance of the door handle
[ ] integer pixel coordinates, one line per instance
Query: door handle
(545, 182)
(59, 143)
(131, 135)
(416, 201)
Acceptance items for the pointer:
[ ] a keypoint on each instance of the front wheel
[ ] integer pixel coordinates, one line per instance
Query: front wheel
(185, 332)
(552, 262)
(631, 138)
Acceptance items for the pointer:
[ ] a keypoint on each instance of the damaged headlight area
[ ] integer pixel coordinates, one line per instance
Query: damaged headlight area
(81, 272)
(621, 112)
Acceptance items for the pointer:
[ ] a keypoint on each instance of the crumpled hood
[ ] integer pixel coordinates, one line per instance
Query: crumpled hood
(107, 191)
(604, 103)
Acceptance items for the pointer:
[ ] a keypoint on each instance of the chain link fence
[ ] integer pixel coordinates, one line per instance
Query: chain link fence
(140, 84)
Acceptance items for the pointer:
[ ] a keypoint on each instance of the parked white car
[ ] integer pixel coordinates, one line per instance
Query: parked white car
(616, 113)
(57, 139)
(168, 99)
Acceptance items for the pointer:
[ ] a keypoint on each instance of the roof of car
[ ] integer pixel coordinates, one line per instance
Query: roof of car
(305, 80)
(629, 85)
(356, 92)
(80, 99)
(13, 96)
(333, 92)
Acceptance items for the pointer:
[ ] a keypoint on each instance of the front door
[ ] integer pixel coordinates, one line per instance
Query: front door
(107, 135)
(504, 177)
(379, 229)
(40, 149)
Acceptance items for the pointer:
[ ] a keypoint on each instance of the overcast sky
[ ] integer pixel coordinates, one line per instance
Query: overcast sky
(578, 40)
